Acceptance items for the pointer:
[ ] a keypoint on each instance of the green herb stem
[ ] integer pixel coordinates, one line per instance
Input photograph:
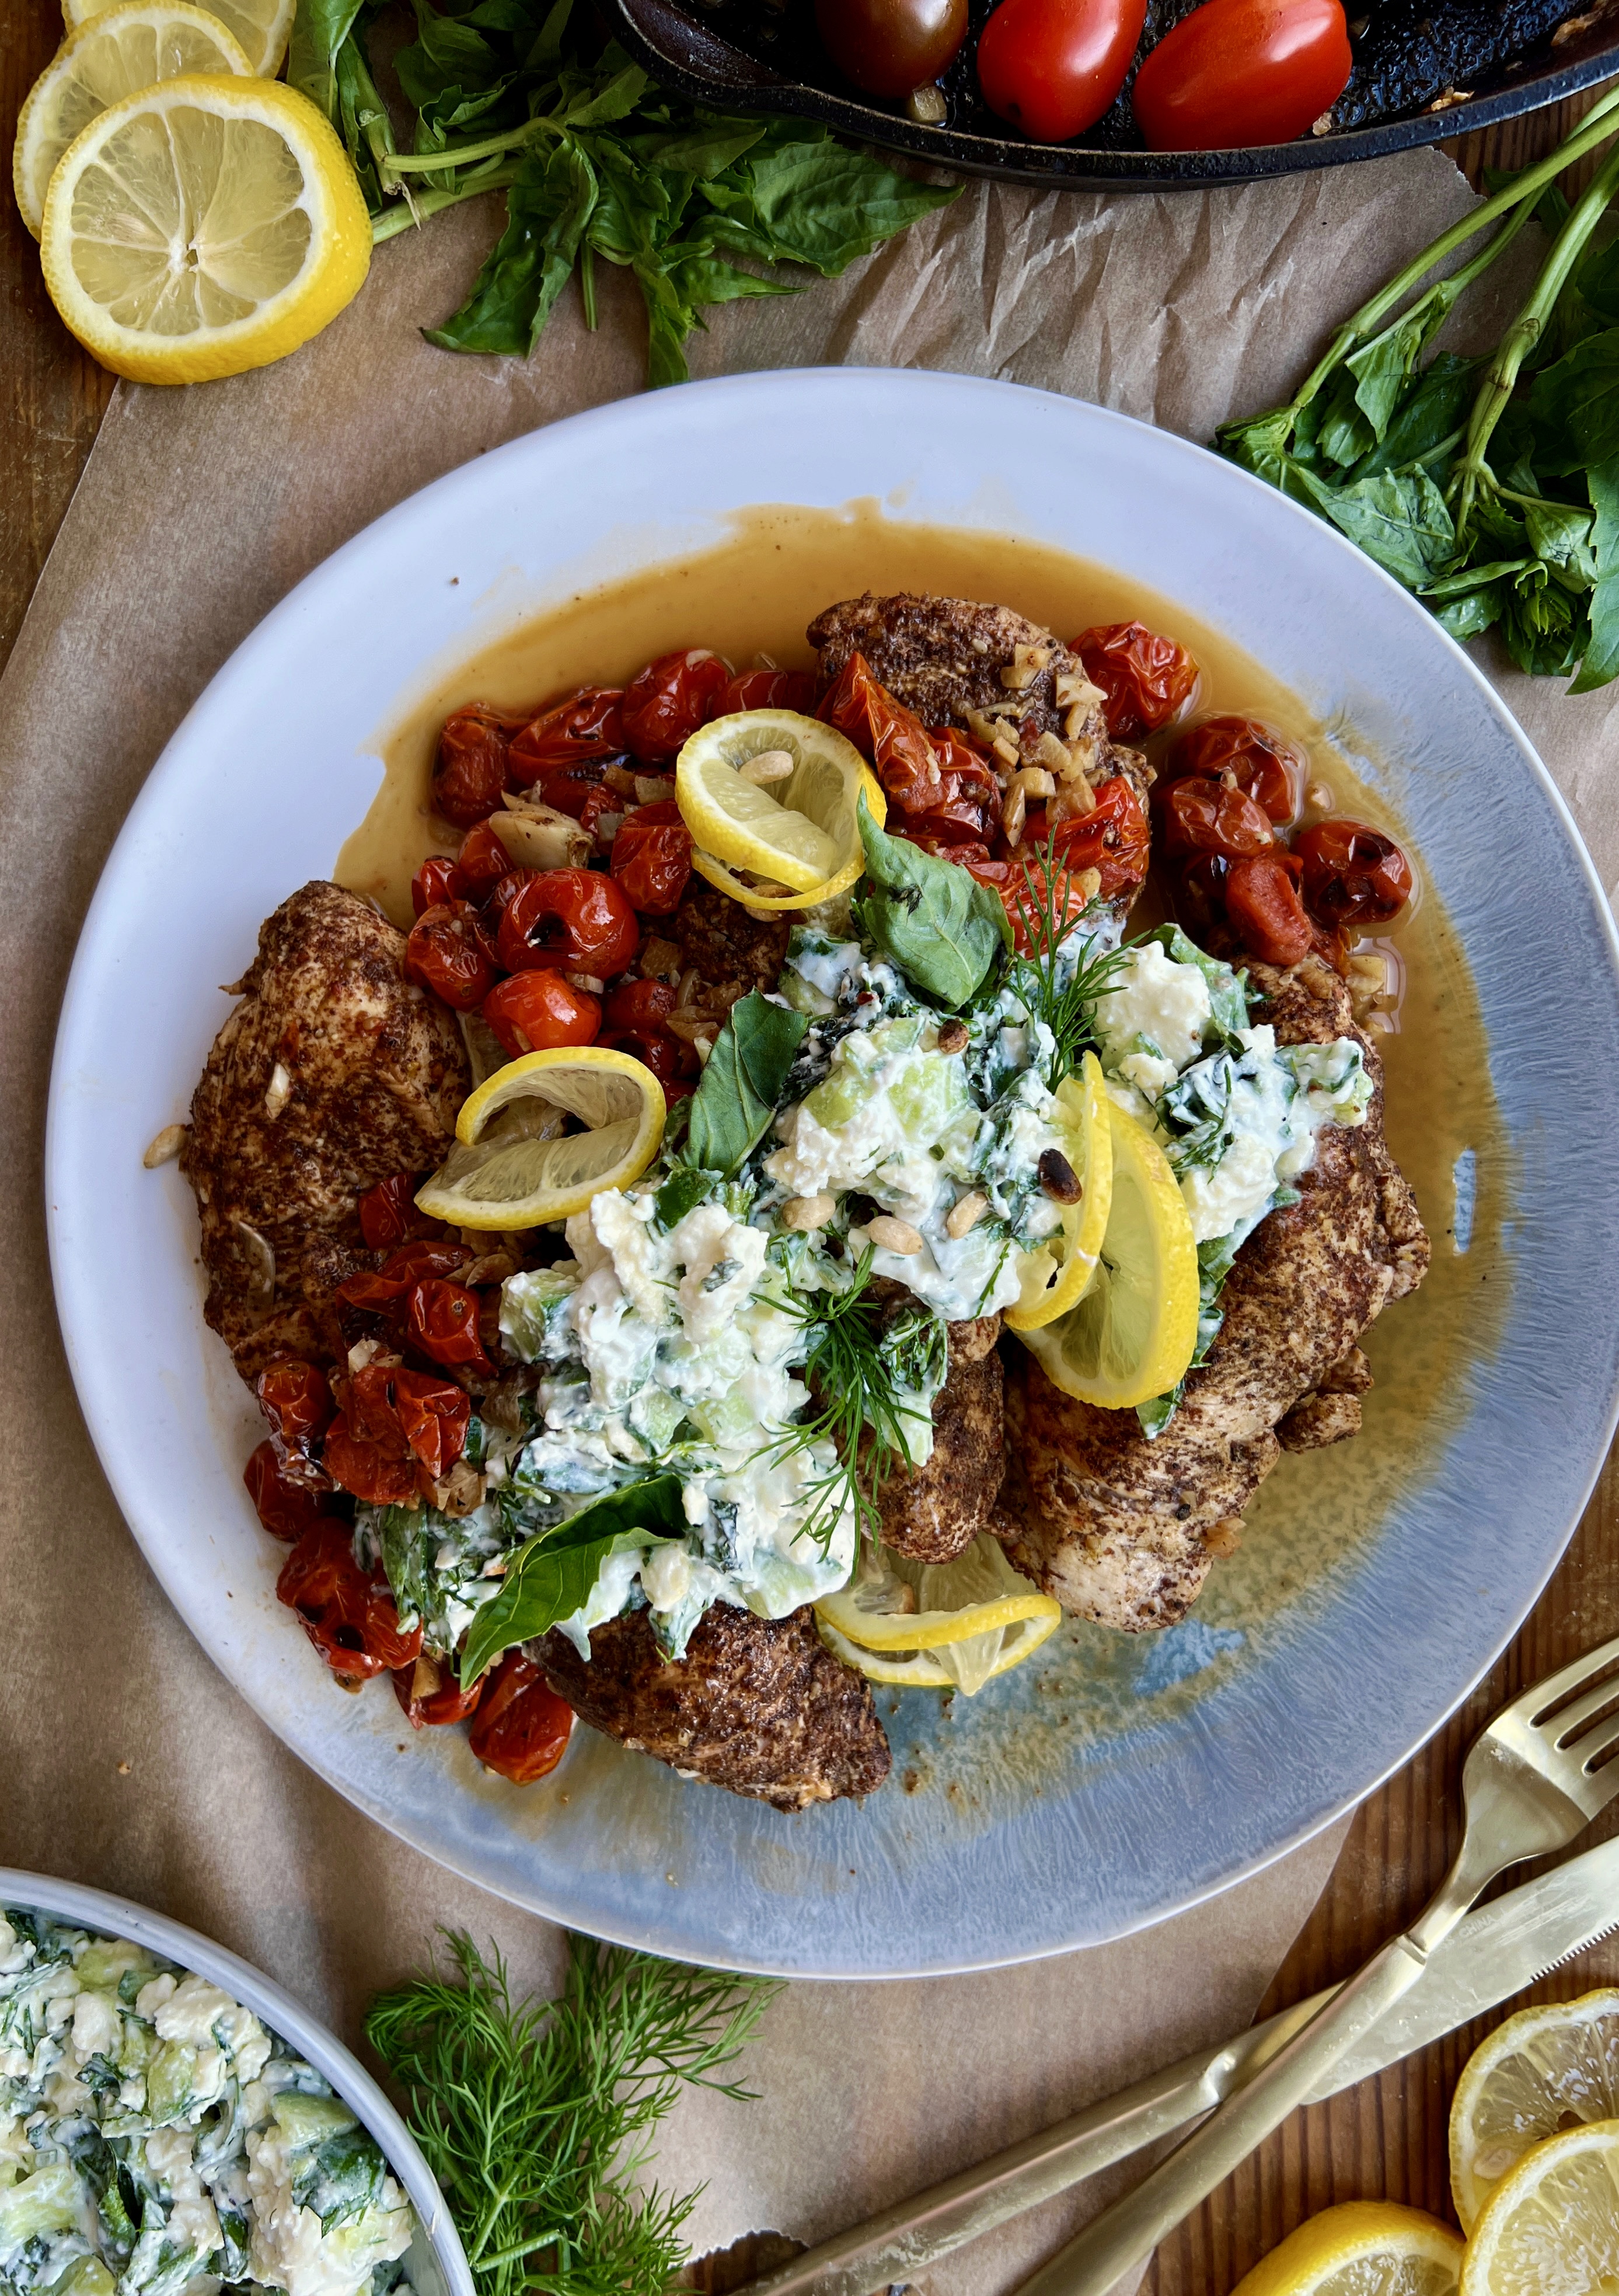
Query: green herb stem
(415, 206)
(400, 164)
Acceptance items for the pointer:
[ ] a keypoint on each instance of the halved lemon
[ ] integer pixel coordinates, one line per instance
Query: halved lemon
(516, 1165)
(1363, 2248)
(1541, 2071)
(260, 28)
(1552, 2225)
(938, 1626)
(797, 830)
(1054, 1278)
(203, 226)
(116, 54)
(1132, 1335)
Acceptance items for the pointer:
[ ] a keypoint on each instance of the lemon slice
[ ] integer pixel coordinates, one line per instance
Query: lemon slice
(1552, 2225)
(260, 28)
(203, 226)
(1542, 2069)
(516, 1165)
(797, 830)
(938, 1626)
(117, 55)
(1054, 1278)
(1364, 2248)
(1132, 1333)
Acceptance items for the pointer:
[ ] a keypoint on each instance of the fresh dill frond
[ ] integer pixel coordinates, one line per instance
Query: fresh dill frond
(1063, 997)
(535, 2116)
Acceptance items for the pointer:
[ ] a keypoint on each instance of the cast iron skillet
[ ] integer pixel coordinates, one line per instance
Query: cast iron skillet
(743, 59)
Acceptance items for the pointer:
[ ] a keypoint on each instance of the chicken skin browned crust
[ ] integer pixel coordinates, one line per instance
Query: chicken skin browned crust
(759, 1706)
(332, 1073)
(1122, 1529)
(933, 1513)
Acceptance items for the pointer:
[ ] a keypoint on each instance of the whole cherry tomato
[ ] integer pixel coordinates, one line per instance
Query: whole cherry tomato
(1113, 839)
(437, 882)
(389, 1214)
(1204, 816)
(446, 954)
(1264, 764)
(1241, 72)
(1354, 876)
(1146, 680)
(444, 1324)
(652, 858)
(296, 1400)
(1202, 902)
(1029, 894)
(1053, 67)
(671, 1061)
(483, 861)
(349, 1616)
(666, 702)
(400, 1273)
(939, 840)
(577, 919)
(771, 689)
(471, 770)
(582, 791)
(588, 725)
(640, 1005)
(379, 1467)
(433, 1416)
(522, 1727)
(537, 1011)
(287, 1509)
(1265, 912)
(441, 1698)
(891, 46)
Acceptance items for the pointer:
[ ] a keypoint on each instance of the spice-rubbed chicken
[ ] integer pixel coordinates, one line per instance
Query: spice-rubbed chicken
(935, 1513)
(331, 1074)
(1122, 1528)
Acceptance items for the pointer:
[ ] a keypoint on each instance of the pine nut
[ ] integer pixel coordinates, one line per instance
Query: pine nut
(953, 1036)
(164, 1147)
(896, 1236)
(768, 765)
(964, 1215)
(804, 1214)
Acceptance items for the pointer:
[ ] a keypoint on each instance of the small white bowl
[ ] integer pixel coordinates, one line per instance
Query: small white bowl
(436, 2261)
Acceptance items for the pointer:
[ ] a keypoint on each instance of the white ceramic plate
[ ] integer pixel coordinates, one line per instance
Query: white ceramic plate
(1065, 1806)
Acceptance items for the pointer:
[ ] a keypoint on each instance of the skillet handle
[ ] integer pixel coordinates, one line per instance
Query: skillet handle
(678, 40)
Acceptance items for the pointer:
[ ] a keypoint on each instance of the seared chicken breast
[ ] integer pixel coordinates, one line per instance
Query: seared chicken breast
(933, 1513)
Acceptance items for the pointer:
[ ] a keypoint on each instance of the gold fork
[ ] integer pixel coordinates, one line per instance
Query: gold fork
(1531, 1783)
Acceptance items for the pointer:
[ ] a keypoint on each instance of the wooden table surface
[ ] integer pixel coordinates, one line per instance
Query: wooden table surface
(1385, 2137)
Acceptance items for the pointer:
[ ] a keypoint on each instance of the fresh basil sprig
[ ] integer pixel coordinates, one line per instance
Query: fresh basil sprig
(736, 1098)
(552, 1574)
(941, 927)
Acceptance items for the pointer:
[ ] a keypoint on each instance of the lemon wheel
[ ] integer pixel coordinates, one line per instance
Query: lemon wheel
(1133, 1331)
(795, 829)
(117, 53)
(516, 1164)
(1551, 2228)
(1363, 2247)
(1056, 1276)
(1533, 2076)
(203, 226)
(260, 28)
(939, 1625)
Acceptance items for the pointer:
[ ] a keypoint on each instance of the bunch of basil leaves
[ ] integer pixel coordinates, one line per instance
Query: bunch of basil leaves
(595, 161)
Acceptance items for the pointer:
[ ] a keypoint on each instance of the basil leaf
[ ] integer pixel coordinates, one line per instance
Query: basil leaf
(734, 1102)
(1428, 418)
(1576, 404)
(548, 208)
(1560, 534)
(1601, 662)
(941, 927)
(552, 1574)
(1471, 616)
(1400, 522)
(819, 203)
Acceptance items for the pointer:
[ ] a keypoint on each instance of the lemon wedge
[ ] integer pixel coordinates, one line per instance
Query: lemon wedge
(260, 28)
(203, 226)
(793, 828)
(1132, 1335)
(516, 1165)
(1543, 2069)
(1055, 1277)
(1552, 2225)
(938, 1626)
(1363, 2247)
(116, 54)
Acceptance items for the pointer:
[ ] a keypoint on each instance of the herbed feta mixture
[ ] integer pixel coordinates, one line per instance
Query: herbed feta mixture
(673, 1335)
(156, 2140)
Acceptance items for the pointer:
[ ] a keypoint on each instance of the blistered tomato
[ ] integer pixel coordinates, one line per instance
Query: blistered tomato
(538, 1010)
(575, 919)
(522, 1727)
(671, 698)
(1146, 680)
(446, 952)
(652, 858)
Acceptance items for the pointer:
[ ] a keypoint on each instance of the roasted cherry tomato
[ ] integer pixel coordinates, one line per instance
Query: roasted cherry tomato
(891, 46)
(286, 1508)
(640, 1005)
(537, 1011)
(1146, 680)
(444, 1324)
(430, 1695)
(522, 1727)
(446, 954)
(433, 1416)
(1053, 67)
(671, 1061)
(1264, 765)
(296, 1400)
(582, 791)
(1266, 915)
(587, 725)
(400, 1273)
(577, 919)
(1202, 903)
(470, 771)
(388, 1215)
(771, 689)
(938, 776)
(1203, 816)
(652, 858)
(1354, 876)
(483, 861)
(435, 882)
(1029, 894)
(1241, 72)
(349, 1616)
(379, 1467)
(1113, 839)
(671, 698)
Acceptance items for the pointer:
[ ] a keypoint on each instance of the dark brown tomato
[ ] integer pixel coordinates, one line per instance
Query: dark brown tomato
(891, 46)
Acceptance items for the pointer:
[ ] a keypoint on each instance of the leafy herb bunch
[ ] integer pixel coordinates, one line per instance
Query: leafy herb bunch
(595, 161)
(1488, 487)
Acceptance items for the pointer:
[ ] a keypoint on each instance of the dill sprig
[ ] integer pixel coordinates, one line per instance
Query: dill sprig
(1064, 1000)
(535, 2115)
